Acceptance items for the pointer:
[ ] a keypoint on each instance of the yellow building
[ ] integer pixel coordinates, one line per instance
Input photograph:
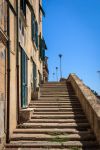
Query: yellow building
(22, 54)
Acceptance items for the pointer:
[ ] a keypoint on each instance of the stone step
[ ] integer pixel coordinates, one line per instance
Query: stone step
(58, 120)
(60, 95)
(71, 116)
(59, 98)
(55, 125)
(56, 94)
(74, 148)
(54, 82)
(57, 91)
(65, 102)
(55, 87)
(58, 113)
(55, 106)
(48, 144)
(54, 137)
(37, 149)
(53, 91)
(56, 109)
(55, 101)
(52, 131)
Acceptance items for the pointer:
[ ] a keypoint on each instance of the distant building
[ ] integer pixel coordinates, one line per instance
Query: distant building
(22, 53)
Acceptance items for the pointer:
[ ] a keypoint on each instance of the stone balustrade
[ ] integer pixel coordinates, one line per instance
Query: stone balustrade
(89, 102)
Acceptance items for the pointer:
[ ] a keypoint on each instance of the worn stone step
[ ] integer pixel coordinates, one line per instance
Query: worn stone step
(48, 144)
(55, 101)
(57, 92)
(54, 82)
(54, 90)
(58, 113)
(56, 104)
(61, 105)
(58, 95)
(69, 116)
(41, 149)
(56, 109)
(55, 125)
(57, 88)
(52, 131)
(38, 149)
(54, 137)
(58, 120)
(59, 98)
(74, 148)
(52, 106)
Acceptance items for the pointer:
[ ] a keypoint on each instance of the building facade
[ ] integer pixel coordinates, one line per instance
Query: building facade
(22, 55)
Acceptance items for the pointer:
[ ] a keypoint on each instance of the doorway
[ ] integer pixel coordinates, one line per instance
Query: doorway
(23, 79)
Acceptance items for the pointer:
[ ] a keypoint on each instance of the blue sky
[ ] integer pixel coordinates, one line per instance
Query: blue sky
(72, 28)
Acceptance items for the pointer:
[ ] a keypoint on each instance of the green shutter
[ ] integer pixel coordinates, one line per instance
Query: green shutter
(33, 26)
(34, 29)
(23, 6)
(42, 48)
(36, 34)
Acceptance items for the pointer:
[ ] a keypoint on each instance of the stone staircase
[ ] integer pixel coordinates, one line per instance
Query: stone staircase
(58, 122)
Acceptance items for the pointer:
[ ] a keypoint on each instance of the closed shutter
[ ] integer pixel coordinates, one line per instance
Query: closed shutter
(33, 26)
(23, 6)
(36, 34)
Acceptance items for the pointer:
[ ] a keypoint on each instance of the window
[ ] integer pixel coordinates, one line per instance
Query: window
(36, 33)
(42, 48)
(34, 29)
(33, 26)
(23, 6)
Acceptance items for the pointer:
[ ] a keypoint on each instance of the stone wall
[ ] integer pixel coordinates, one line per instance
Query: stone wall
(89, 102)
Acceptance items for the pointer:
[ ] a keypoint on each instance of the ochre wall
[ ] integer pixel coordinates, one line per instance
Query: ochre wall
(13, 86)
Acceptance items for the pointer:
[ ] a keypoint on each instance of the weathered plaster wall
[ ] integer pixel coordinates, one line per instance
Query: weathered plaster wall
(13, 79)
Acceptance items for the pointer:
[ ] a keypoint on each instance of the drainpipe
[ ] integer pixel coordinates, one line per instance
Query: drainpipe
(8, 76)
(17, 63)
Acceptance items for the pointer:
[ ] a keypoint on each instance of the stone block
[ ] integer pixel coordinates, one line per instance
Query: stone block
(25, 114)
(35, 94)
